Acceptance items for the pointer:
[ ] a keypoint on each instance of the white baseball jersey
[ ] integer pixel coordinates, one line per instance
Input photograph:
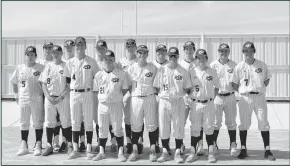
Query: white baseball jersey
(158, 65)
(43, 61)
(250, 78)
(226, 104)
(124, 63)
(188, 66)
(110, 85)
(82, 73)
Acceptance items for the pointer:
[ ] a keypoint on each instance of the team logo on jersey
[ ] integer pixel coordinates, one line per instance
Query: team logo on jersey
(61, 71)
(150, 74)
(115, 79)
(209, 78)
(230, 70)
(37, 73)
(179, 77)
(87, 66)
(259, 70)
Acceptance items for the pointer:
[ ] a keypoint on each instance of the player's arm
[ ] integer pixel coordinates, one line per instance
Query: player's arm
(14, 82)
(266, 82)
(216, 90)
(235, 79)
(46, 94)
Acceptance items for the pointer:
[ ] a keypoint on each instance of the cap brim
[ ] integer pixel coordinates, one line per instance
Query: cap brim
(172, 54)
(189, 46)
(223, 49)
(47, 46)
(160, 49)
(142, 49)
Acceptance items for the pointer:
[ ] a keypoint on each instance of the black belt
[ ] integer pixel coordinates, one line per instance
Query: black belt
(80, 90)
(254, 93)
(54, 96)
(202, 101)
(145, 96)
(226, 94)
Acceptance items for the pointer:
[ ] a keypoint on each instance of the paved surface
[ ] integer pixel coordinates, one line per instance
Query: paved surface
(278, 117)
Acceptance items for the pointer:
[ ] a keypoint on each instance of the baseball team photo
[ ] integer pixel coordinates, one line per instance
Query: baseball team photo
(145, 82)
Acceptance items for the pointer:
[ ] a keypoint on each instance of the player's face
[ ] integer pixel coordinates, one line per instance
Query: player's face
(161, 54)
(56, 55)
(131, 49)
(108, 61)
(70, 49)
(101, 50)
(142, 55)
(30, 57)
(249, 54)
(173, 58)
(189, 50)
(224, 54)
(81, 48)
(201, 60)
(47, 51)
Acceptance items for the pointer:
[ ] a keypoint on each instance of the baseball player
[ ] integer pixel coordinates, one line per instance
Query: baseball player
(250, 79)
(172, 83)
(29, 97)
(110, 84)
(80, 71)
(188, 63)
(143, 104)
(56, 92)
(205, 87)
(225, 100)
(124, 64)
(69, 46)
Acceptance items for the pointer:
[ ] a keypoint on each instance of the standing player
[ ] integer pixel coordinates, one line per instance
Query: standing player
(29, 97)
(205, 85)
(56, 92)
(110, 84)
(143, 105)
(189, 63)
(69, 46)
(172, 83)
(250, 79)
(80, 71)
(225, 100)
(125, 63)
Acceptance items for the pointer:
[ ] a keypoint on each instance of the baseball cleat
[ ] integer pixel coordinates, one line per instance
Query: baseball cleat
(82, 147)
(192, 156)
(114, 148)
(89, 152)
(122, 158)
(243, 154)
(234, 151)
(211, 158)
(63, 147)
(268, 155)
(164, 157)
(47, 151)
(129, 147)
(152, 155)
(99, 156)
(133, 156)
(178, 158)
(56, 147)
(74, 154)
(37, 149)
(23, 149)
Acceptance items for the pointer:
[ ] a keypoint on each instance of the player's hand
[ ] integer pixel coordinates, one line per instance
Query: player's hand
(57, 100)
(52, 100)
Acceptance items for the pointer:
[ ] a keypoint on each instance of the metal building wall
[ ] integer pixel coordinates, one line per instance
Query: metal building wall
(272, 49)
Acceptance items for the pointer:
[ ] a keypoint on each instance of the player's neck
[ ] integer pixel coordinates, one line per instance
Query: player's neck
(142, 63)
(109, 69)
(188, 59)
(172, 65)
(57, 61)
(131, 56)
(80, 56)
(250, 61)
(99, 57)
(48, 58)
(224, 61)
(161, 61)
(30, 64)
(202, 68)
(69, 56)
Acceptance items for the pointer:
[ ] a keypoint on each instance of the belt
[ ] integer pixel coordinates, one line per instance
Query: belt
(81, 90)
(145, 96)
(202, 101)
(54, 96)
(226, 94)
(254, 93)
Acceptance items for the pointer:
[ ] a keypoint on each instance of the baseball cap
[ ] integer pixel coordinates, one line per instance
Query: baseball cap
(161, 47)
(80, 40)
(173, 51)
(189, 44)
(201, 52)
(130, 42)
(248, 45)
(224, 46)
(56, 48)
(110, 53)
(69, 43)
(30, 49)
(101, 43)
(47, 45)
(142, 48)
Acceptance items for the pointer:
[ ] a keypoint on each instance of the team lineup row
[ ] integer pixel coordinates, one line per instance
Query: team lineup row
(83, 90)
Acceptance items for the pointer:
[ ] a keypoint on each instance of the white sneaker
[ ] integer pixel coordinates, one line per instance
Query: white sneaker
(234, 151)
(211, 157)
(177, 157)
(100, 156)
(23, 150)
(200, 151)
(37, 149)
(192, 156)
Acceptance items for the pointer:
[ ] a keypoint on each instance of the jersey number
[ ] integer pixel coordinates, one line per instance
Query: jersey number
(247, 81)
(48, 80)
(74, 77)
(23, 83)
(165, 87)
(102, 90)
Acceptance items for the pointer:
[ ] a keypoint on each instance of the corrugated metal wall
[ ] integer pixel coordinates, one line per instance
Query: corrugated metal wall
(272, 49)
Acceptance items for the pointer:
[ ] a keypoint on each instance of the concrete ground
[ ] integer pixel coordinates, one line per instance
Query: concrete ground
(278, 115)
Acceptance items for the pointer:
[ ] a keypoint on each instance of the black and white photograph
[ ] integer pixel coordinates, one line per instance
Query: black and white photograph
(145, 82)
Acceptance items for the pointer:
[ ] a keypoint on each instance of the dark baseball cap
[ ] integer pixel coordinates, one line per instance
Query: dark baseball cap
(161, 47)
(30, 49)
(173, 51)
(101, 43)
(248, 45)
(56, 48)
(201, 52)
(110, 53)
(189, 44)
(47, 45)
(80, 40)
(130, 42)
(142, 48)
(224, 46)
(69, 43)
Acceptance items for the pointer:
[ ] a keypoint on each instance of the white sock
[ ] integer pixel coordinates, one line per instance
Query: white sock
(75, 146)
(243, 147)
(267, 148)
(102, 150)
(128, 140)
(121, 150)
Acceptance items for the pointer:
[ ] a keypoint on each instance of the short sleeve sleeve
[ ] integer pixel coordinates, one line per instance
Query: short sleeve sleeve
(67, 70)
(15, 75)
(187, 80)
(96, 85)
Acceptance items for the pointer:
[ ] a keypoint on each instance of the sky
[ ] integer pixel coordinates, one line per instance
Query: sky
(91, 18)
